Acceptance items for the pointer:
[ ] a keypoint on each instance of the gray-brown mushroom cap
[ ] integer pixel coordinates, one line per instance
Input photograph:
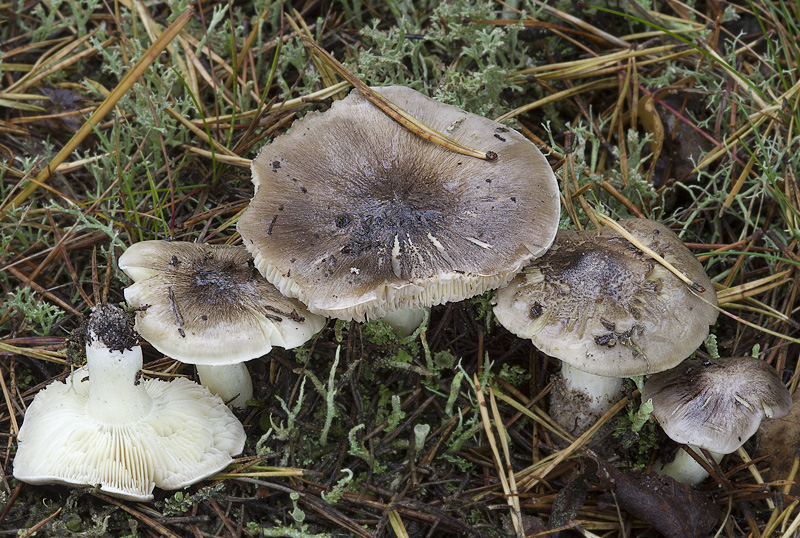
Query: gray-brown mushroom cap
(356, 216)
(717, 405)
(600, 304)
(207, 304)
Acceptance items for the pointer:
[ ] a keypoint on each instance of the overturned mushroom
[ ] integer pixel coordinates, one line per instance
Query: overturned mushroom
(716, 405)
(108, 427)
(358, 217)
(607, 311)
(207, 305)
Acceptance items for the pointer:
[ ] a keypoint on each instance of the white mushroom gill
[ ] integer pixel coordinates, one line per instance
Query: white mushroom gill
(107, 427)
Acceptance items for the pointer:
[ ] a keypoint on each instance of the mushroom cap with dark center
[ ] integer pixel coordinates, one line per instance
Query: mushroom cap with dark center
(717, 405)
(357, 216)
(207, 304)
(597, 302)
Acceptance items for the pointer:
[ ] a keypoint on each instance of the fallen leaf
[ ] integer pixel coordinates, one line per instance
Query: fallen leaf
(779, 439)
(566, 504)
(648, 116)
(673, 509)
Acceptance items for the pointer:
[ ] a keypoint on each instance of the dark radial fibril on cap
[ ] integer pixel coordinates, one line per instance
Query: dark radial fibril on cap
(607, 310)
(358, 217)
(207, 305)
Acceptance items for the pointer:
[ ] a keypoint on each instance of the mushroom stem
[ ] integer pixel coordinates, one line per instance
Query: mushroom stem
(115, 393)
(405, 321)
(684, 468)
(578, 398)
(231, 382)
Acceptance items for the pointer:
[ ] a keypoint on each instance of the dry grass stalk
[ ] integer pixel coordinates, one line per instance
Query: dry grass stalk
(397, 524)
(125, 84)
(580, 442)
(650, 252)
(511, 495)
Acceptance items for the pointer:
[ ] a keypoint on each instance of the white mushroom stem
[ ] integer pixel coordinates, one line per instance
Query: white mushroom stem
(115, 394)
(578, 398)
(231, 382)
(684, 468)
(405, 321)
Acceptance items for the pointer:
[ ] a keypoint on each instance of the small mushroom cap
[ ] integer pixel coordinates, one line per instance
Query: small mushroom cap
(357, 217)
(716, 405)
(600, 304)
(206, 304)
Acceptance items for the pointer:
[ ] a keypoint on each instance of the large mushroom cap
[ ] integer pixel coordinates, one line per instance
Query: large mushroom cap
(356, 216)
(206, 304)
(106, 427)
(717, 405)
(600, 304)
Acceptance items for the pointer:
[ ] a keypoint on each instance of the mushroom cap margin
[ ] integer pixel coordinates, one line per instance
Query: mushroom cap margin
(356, 216)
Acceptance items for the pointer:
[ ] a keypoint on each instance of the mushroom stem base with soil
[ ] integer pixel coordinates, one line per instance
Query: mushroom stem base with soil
(579, 399)
(231, 382)
(684, 468)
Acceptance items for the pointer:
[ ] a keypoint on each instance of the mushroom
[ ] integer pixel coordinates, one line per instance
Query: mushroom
(207, 305)
(715, 405)
(106, 426)
(607, 311)
(358, 217)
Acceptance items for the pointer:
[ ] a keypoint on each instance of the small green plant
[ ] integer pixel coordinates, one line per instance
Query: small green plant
(40, 316)
(637, 434)
(483, 307)
(181, 502)
(336, 492)
(514, 374)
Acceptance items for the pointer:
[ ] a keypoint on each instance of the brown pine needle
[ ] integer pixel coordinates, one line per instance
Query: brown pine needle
(7, 397)
(487, 425)
(650, 252)
(749, 289)
(397, 524)
(531, 481)
(753, 471)
(150, 56)
(396, 113)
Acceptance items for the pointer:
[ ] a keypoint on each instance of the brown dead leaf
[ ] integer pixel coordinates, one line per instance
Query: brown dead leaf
(61, 101)
(673, 509)
(682, 145)
(651, 121)
(779, 439)
(566, 504)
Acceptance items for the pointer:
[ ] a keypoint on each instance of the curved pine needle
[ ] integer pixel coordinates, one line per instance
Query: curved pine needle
(395, 112)
(650, 252)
